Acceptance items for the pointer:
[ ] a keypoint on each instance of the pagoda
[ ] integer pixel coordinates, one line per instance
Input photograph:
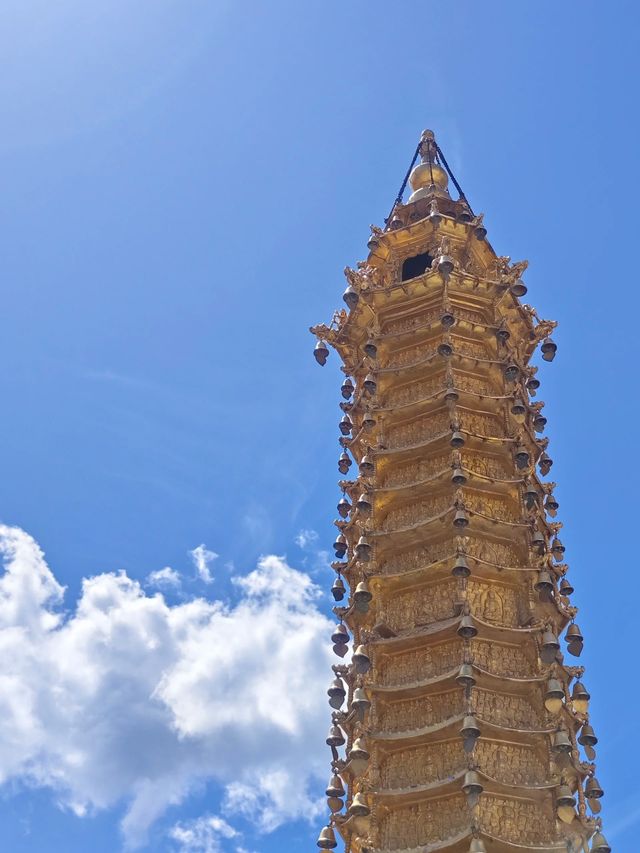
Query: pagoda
(459, 717)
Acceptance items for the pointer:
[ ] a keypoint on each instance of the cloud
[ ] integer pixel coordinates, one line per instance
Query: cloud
(164, 578)
(202, 835)
(127, 697)
(306, 538)
(202, 559)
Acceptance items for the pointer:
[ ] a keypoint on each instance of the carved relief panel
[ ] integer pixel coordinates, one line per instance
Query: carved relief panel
(416, 471)
(498, 604)
(417, 665)
(416, 432)
(416, 558)
(414, 391)
(423, 764)
(417, 713)
(503, 660)
(512, 763)
(417, 511)
(514, 712)
(424, 823)
(417, 607)
(517, 821)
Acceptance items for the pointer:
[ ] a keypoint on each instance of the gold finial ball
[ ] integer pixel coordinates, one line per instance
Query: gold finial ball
(428, 178)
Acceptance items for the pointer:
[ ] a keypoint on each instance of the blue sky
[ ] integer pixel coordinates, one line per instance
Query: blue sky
(182, 184)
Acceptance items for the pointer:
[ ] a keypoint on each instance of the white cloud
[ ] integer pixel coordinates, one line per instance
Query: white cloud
(128, 697)
(202, 835)
(202, 559)
(164, 578)
(306, 538)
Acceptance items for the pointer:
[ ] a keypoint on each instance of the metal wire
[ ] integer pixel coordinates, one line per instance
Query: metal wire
(398, 198)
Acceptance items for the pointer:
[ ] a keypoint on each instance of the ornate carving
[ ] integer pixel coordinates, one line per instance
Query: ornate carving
(412, 355)
(497, 604)
(491, 506)
(408, 610)
(503, 660)
(417, 713)
(416, 558)
(475, 385)
(413, 826)
(492, 552)
(416, 472)
(418, 431)
(422, 765)
(517, 821)
(513, 712)
(512, 763)
(414, 391)
(473, 349)
(415, 665)
(483, 424)
(408, 514)
(406, 324)
(488, 466)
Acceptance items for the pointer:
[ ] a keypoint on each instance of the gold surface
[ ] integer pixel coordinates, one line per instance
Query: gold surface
(412, 780)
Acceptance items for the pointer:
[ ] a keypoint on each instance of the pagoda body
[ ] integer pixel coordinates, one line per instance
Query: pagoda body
(458, 722)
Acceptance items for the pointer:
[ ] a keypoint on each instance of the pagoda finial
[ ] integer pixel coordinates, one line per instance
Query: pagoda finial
(429, 178)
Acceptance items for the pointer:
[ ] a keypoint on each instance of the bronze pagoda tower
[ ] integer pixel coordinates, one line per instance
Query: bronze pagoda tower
(459, 716)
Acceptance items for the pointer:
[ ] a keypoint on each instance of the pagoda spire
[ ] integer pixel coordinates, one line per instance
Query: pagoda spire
(457, 723)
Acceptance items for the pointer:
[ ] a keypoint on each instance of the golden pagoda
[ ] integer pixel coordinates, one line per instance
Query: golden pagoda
(458, 724)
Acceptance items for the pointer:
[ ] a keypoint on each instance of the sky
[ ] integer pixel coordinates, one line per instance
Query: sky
(182, 183)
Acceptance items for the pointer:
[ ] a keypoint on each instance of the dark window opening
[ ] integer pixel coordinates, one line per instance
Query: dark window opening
(415, 266)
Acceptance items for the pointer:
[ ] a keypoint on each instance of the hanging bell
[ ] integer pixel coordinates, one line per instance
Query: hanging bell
(566, 588)
(327, 839)
(503, 334)
(363, 549)
(346, 389)
(457, 439)
(358, 751)
(465, 676)
(530, 496)
(518, 288)
(363, 504)
(461, 568)
(538, 542)
(554, 696)
(544, 585)
(340, 546)
(338, 590)
(344, 463)
(593, 790)
(434, 216)
(550, 646)
(451, 395)
(460, 519)
(599, 844)
(445, 264)
(370, 384)
(539, 422)
(565, 804)
(562, 742)
(580, 697)
(458, 478)
(367, 467)
(336, 737)
(551, 505)
(532, 385)
(545, 462)
(477, 846)
(335, 788)
(371, 349)
(587, 736)
(336, 693)
(368, 421)
(360, 701)
(344, 507)
(362, 597)
(469, 732)
(445, 349)
(557, 548)
(574, 634)
(351, 297)
(361, 661)
(321, 352)
(373, 243)
(340, 635)
(447, 319)
(511, 372)
(346, 425)
(396, 223)
(359, 807)
(480, 232)
(472, 787)
(549, 349)
(521, 457)
(467, 629)
(518, 409)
